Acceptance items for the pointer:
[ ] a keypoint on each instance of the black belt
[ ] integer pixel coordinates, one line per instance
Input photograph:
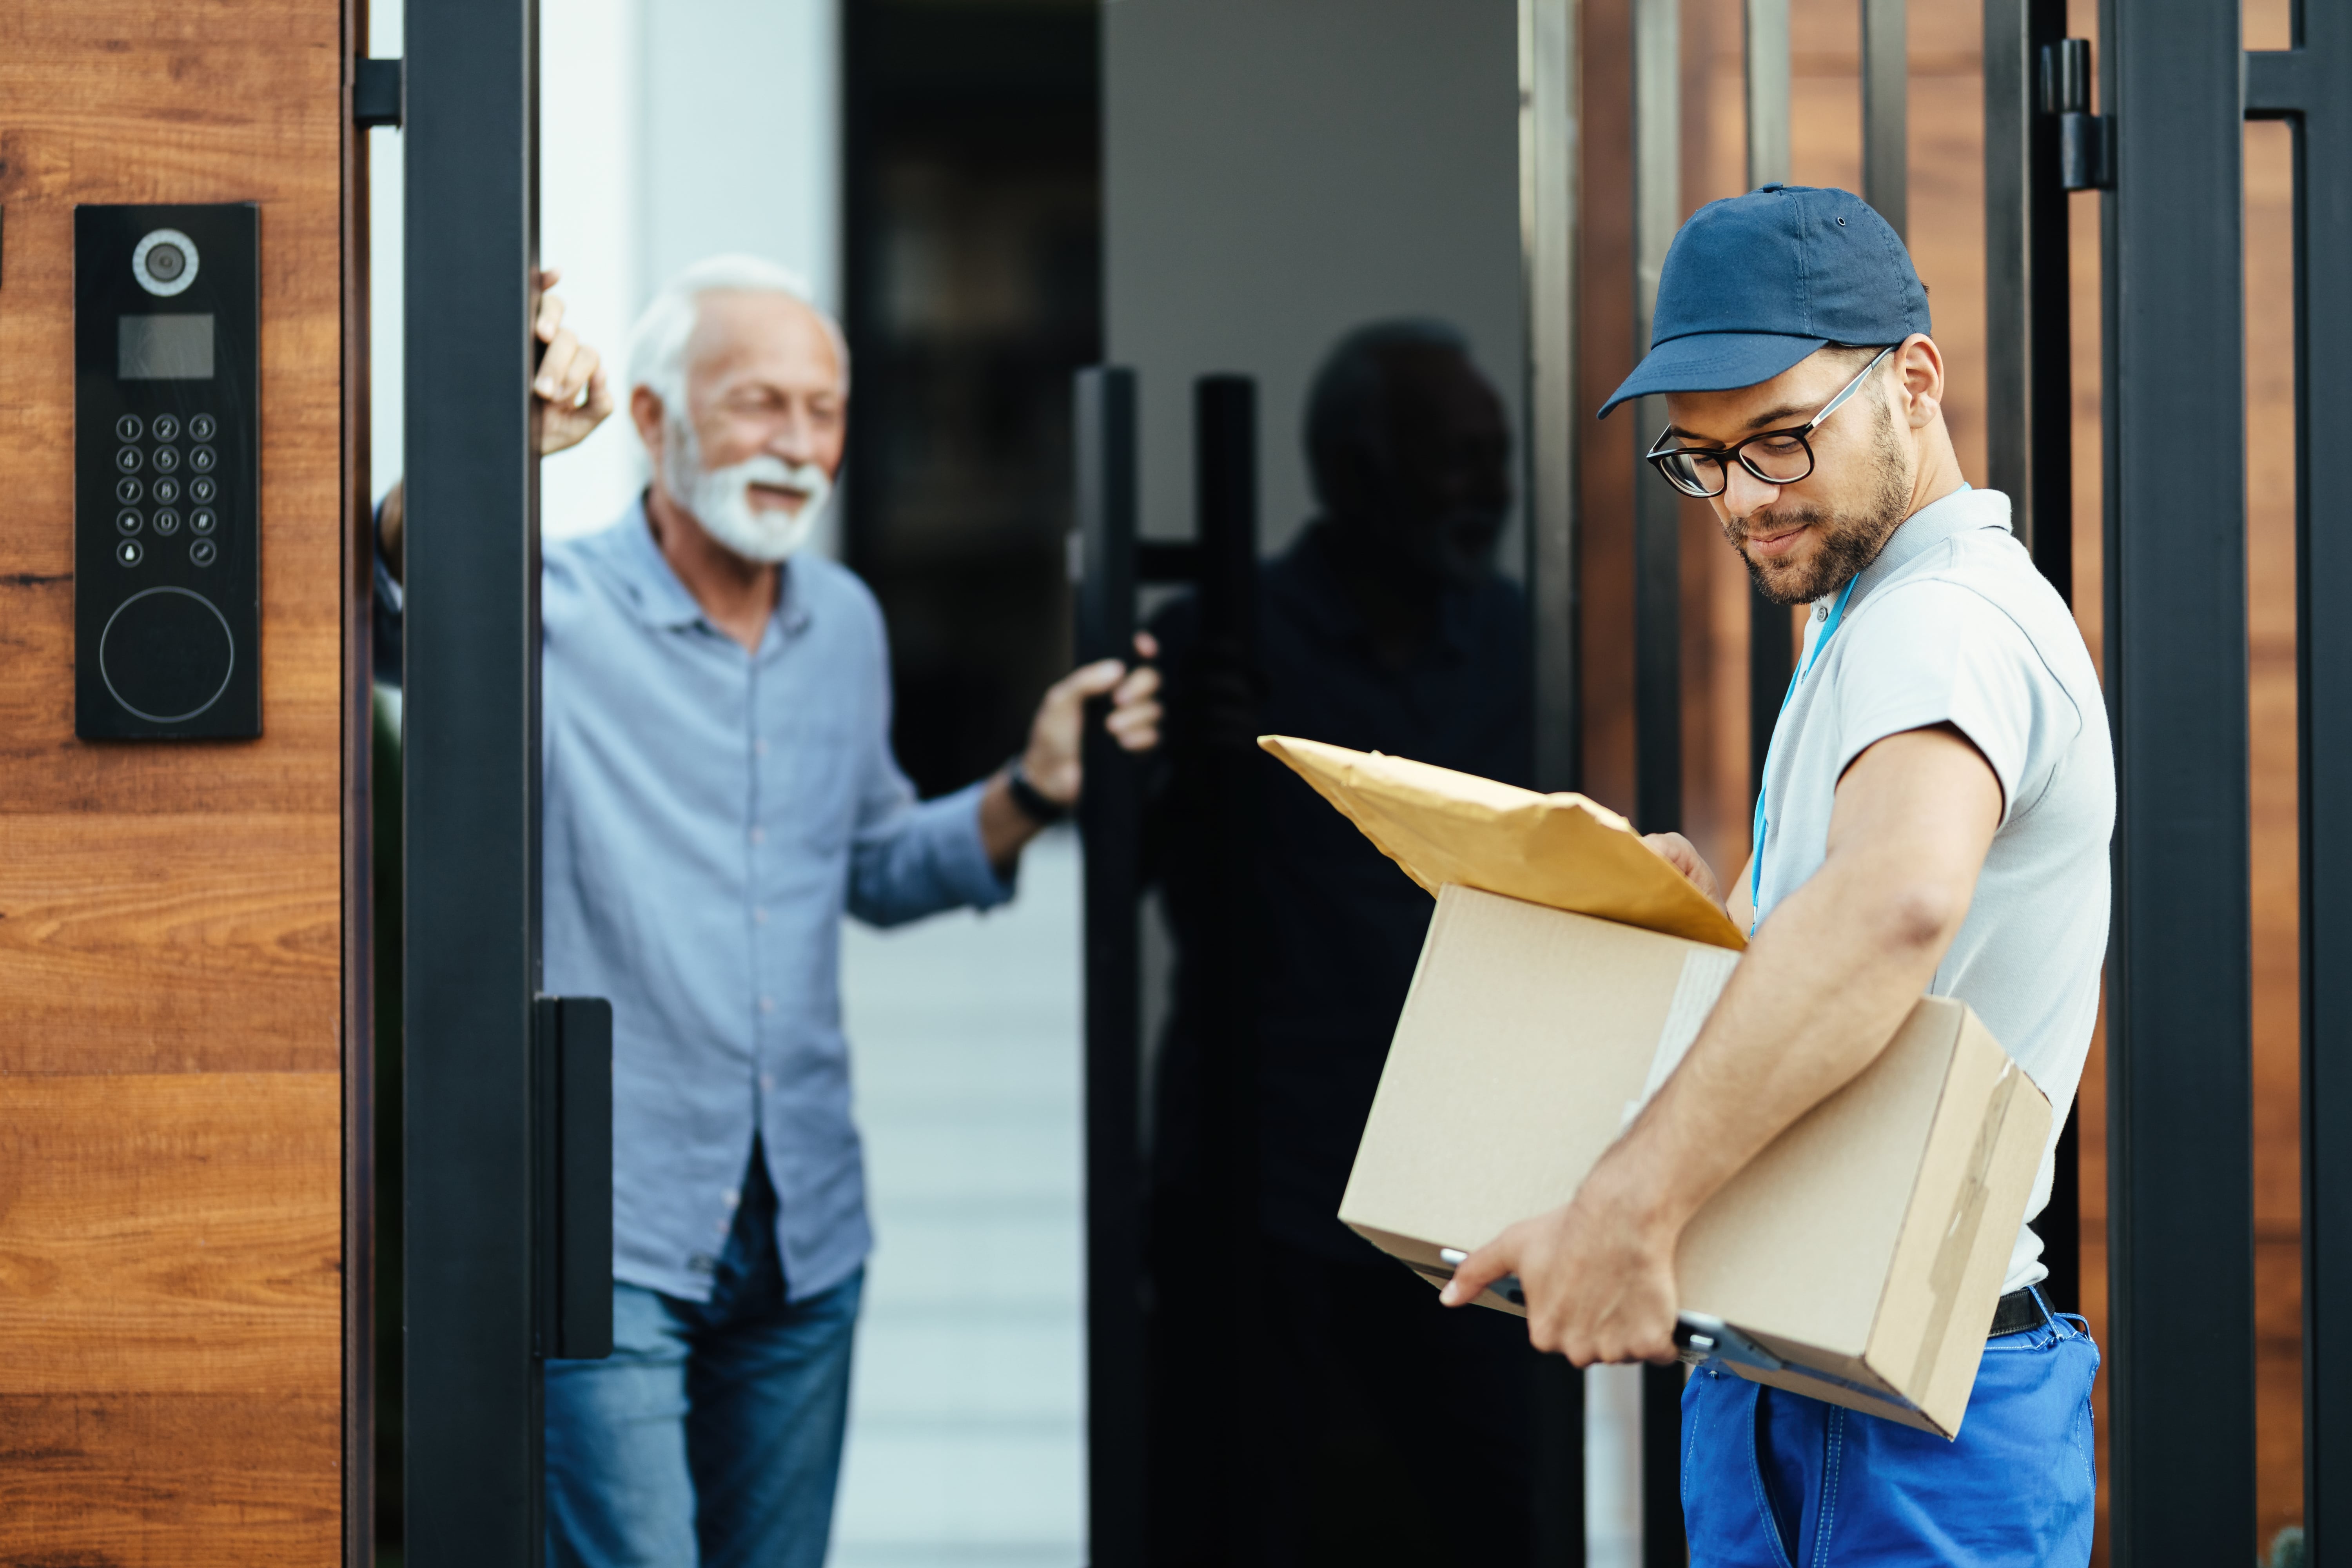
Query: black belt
(2018, 1312)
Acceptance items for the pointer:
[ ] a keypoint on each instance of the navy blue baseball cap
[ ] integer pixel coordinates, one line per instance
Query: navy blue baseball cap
(1752, 284)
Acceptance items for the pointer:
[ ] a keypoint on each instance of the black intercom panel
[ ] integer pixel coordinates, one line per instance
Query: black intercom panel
(167, 470)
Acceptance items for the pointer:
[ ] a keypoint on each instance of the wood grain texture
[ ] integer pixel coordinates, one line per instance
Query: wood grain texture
(179, 943)
(171, 1233)
(171, 969)
(167, 1480)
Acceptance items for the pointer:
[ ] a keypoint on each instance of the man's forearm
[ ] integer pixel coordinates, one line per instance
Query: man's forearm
(1825, 984)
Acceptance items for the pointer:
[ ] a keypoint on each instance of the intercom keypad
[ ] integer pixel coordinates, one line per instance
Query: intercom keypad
(167, 596)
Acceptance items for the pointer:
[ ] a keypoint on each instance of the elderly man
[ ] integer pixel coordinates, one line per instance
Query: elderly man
(719, 788)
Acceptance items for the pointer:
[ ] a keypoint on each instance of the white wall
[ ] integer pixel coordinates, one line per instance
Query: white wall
(667, 132)
(1276, 172)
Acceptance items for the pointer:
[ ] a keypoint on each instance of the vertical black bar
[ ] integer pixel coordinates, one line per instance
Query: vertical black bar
(2048, 497)
(471, 783)
(1224, 966)
(2311, 75)
(2028, 435)
(1110, 824)
(2180, 1089)
(1657, 640)
(577, 1053)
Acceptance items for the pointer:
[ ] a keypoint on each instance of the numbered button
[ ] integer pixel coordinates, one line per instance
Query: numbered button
(130, 553)
(203, 520)
(203, 490)
(167, 520)
(204, 551)
(127, 490)
(202, 428)
(165, 427)
(128, 459)
(127, 428)
(166, 490)
(127, 521)
(201, 460)
(167, 459)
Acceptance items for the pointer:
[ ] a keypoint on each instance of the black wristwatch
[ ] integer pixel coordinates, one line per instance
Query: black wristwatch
(1030, 800)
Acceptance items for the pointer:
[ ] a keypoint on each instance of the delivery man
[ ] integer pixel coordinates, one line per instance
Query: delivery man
(1935, 816)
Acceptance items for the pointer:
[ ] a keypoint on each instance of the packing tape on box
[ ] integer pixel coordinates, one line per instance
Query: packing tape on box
(1706, 972)
(1968, 1219)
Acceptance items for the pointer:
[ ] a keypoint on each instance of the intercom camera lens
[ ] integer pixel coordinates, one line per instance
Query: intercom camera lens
(130, 553)
(167, 520)
(166, 490)
(201, 460)
(202, 489)
(166, 427)
(127, 459)
(127, 427)
(126, 491)
(203, 520)
(202, 428)
(204, 551)
(127, 521)
(165, 262)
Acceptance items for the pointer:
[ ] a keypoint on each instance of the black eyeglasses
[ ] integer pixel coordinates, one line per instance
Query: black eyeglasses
(1776, 457)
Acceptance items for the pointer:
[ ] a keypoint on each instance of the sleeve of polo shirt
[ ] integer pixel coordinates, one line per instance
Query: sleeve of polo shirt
(1937, 653)
(910, 857)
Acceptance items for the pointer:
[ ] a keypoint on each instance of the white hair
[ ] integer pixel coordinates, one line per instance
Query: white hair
(657, 344)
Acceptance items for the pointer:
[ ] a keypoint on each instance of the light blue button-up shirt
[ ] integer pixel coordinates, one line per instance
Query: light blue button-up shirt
(710, 815)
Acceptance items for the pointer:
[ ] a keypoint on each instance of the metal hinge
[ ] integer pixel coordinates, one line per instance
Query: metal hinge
(379, 92)
(2086, 143)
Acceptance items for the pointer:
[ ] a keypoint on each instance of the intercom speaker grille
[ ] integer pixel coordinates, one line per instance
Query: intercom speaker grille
(167, 655)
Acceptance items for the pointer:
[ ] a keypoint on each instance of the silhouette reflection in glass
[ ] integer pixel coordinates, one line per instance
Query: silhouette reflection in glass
(1310, 1399)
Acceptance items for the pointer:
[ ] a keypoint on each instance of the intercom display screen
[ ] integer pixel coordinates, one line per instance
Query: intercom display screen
(165, 348)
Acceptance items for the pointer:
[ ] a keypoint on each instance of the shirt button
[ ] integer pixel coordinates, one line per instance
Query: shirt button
(767, 1003)
(733, 1197)
(759, 835)
(759, 917)
(759, 748)
(768, 1081)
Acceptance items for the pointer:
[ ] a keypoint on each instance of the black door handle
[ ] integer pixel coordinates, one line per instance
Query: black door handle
(571, 1074)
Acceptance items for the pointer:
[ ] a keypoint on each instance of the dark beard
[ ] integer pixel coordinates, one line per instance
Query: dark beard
(1850, 540)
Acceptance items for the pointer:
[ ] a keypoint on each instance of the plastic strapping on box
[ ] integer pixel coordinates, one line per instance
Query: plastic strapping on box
(1706, 972)
(1967, 1219)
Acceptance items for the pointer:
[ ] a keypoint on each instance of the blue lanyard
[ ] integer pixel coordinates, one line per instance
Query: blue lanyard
(1756, 861)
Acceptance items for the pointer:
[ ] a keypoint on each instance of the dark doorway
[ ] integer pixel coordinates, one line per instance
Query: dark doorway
(974, 290)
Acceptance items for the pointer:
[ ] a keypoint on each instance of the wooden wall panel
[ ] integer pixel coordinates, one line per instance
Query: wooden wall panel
(171, 940)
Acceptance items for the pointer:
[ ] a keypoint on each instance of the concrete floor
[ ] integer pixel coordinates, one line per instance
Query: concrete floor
(967, 1426)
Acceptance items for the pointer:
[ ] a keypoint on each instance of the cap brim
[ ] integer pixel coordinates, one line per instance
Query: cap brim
(1712, 362)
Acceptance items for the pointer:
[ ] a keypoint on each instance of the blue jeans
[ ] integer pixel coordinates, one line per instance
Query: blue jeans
(1772, 1479)
(712, 1437)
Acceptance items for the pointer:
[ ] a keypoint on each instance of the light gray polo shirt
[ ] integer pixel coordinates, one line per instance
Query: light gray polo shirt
(1953, 625)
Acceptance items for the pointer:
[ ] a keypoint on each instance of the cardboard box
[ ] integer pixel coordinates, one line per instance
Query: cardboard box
(1857, 1259)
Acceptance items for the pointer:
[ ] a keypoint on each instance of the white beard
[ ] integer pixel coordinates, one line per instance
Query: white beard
(720, 500)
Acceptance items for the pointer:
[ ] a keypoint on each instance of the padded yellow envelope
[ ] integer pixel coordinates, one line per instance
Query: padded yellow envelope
(1562, 850)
